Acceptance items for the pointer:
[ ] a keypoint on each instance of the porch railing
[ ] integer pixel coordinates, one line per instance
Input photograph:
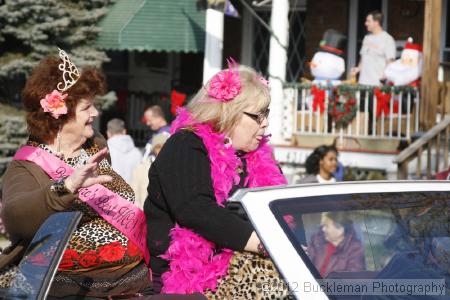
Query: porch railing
(433, 145)
(351, 111)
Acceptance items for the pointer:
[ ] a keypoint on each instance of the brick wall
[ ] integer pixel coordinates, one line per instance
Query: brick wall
(322, 15)
(405, 19)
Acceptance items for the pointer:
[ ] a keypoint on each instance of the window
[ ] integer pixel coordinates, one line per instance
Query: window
(366, 236)
(445, 43)
(295, 65)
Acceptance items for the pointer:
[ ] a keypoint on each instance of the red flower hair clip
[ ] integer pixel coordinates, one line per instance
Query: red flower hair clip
(225, 85)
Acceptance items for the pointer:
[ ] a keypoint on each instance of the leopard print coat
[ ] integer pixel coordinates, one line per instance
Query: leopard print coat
(93, 232)
(250, 276)
(111, 262)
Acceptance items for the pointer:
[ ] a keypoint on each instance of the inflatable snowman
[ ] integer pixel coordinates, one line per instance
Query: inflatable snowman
(327, 65)
(408, 69)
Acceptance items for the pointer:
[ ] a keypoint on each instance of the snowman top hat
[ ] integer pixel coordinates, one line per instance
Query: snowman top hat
(333, 42)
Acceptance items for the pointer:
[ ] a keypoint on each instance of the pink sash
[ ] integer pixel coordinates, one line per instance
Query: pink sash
(122, 214)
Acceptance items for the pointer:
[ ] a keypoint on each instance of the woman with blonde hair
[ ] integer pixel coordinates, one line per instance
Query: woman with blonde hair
(218, 145)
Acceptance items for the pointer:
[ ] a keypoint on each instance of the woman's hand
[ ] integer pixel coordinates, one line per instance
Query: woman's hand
(85, 176)
(354, 71)
(252, 243)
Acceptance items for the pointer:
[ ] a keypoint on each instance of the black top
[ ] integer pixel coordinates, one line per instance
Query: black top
(180, 191)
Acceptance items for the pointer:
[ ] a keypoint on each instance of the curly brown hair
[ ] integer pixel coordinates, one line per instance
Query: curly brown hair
(46, 75)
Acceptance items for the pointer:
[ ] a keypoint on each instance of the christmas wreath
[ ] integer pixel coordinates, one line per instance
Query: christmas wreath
(342, 107)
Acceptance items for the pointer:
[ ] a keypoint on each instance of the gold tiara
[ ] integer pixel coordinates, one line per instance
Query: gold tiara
(70, 72)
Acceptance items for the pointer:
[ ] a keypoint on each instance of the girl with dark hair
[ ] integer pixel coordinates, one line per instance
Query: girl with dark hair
(321, 164)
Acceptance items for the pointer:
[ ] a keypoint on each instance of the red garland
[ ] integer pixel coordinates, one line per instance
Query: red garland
(88, 259)
(318, 99)
(111, 252)
(108, 253)
(68, 259)
(133, 250)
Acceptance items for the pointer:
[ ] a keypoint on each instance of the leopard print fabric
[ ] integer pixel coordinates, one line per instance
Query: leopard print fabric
(250, 276)
(11, 278)
(94, 246)
(93, 231)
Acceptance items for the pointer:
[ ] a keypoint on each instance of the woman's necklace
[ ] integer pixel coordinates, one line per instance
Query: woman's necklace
(240, 155)
(59, 152)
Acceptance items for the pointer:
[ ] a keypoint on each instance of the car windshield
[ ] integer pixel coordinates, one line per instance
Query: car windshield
(382, 236)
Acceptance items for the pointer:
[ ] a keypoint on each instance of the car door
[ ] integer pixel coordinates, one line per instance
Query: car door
(36, 270)
(355, 240)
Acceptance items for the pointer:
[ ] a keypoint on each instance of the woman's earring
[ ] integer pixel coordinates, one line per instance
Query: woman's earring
(227, 142)
(58, 141)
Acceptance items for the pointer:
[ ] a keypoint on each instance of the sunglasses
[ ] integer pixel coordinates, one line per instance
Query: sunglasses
(259, 117)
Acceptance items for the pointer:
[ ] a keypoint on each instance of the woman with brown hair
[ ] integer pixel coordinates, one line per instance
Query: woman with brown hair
(101, 259)
(335, 247)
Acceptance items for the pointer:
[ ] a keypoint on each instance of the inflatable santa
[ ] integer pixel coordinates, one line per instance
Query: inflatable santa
(408, 69)
(327, 65)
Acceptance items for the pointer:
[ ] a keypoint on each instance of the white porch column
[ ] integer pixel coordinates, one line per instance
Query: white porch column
(212, 62)
(277, 67)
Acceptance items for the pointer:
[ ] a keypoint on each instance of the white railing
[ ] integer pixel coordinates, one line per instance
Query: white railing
(351, 111)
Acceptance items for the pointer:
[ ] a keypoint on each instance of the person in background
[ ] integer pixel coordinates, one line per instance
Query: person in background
(321, 165)
(377, 51)
(340, 170)
(155, 119)
(139, 178)
(335, 247)
(124, 155)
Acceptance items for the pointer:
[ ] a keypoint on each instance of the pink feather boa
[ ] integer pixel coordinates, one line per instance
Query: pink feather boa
(193, 265)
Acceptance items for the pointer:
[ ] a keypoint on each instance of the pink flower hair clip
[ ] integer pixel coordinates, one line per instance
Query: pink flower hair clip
(225, 85)
(54, 102)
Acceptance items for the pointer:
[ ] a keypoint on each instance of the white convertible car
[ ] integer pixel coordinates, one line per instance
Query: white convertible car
(364, 240)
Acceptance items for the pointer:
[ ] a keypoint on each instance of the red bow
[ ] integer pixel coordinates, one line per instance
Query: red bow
(383, 100)
(176, 100)
(318, 99)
